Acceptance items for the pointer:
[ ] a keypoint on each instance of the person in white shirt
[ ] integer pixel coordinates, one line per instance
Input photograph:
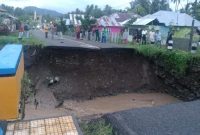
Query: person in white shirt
(152, 37)
(144, 36)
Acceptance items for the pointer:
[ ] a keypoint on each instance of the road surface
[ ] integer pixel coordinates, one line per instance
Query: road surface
(174, 119)
(72, 42)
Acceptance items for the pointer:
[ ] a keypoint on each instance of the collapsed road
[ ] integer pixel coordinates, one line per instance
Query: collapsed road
(86, 74)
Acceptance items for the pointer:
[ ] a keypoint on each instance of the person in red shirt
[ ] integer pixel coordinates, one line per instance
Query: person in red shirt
(21, 32)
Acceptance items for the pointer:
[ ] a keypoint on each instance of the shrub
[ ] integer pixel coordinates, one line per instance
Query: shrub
(176, 62)
(97, 127)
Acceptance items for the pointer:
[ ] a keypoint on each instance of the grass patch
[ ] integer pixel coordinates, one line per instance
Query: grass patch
(13, 39)
(97, 127)
(26, 92)
(176, 61)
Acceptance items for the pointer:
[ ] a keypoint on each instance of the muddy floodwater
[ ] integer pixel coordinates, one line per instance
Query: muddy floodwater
(95, 107)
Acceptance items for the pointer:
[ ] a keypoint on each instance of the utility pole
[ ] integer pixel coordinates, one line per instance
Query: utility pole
(192, 28)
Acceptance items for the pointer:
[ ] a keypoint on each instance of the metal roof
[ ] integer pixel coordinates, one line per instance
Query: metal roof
(168, 18)
(108, 21)
(73, 18)
(144, 21)
(2, 10)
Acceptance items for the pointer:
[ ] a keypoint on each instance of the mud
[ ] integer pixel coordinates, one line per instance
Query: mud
(91, 109)
(86, 74)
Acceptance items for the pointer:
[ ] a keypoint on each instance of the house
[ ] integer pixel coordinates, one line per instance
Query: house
(123, 18)
(163, 20)
(74, 19)
(115, 23)
(113, 27)
(110, 23)
(167, 18)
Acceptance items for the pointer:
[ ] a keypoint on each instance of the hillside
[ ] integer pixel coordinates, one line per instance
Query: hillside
(41, 11)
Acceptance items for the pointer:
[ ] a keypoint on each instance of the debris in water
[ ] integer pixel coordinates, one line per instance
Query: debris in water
(56, 79)
(59, 103)
(50, 82)
(36, 103)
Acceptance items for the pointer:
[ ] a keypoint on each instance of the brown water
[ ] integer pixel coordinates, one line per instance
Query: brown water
(95, 107)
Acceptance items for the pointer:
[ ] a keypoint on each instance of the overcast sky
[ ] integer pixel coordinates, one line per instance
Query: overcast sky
(64, 6)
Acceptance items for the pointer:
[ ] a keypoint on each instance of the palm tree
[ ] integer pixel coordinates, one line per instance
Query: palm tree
(177, 3)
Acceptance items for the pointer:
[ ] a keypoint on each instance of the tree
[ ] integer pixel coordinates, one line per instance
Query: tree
(141, 7)
(87, 22)
(97, 12)
(108, 10)
(139, 10)
(89, 9)
(18, 12)
(177, 3)
(157, 5)
(9, 9)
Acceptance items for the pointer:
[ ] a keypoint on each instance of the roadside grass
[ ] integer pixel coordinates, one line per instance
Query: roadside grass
(97, 127)
(13, 39)
(176, 62)
(26, 92)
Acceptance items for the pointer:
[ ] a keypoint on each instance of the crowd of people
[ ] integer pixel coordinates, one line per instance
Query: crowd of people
(23, 31)
(145, 36)
(53, 29)
(140, 36)
(101, 35)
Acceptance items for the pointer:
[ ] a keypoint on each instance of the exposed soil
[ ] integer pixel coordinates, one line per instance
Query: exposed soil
(86, 74)
(91, 82)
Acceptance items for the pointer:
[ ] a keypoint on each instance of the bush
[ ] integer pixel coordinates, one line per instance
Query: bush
(7, 40)
(97, 127)
(176, 62)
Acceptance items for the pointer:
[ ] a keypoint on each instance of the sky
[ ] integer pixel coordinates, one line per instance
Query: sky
(64, 6)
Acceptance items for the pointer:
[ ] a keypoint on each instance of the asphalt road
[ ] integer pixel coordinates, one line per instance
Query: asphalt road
(174, 119)
(72, 42)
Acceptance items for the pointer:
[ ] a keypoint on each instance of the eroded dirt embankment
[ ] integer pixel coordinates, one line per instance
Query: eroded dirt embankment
(85, 74)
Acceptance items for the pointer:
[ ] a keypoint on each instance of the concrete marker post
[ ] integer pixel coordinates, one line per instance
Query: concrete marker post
(194, 48)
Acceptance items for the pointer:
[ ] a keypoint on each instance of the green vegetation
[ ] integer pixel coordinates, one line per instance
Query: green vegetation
(26, 86)
(98, 127)
(176, 62)
(182, 33)
(26, 92)
(185, 33)
(13, 38)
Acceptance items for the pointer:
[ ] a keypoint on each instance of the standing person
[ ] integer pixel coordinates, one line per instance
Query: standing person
(52, 28)
(125, 36)
(103, 39)
(21, 32)
(139, 35)
(26, 30)
(152, 37)
(81, 34)
(97, 34)
(89, 33)
(134, 36)
(59, 30)
(170, 41)
(158, 38)
(144, 36)
(78, 32)
(46, 29)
